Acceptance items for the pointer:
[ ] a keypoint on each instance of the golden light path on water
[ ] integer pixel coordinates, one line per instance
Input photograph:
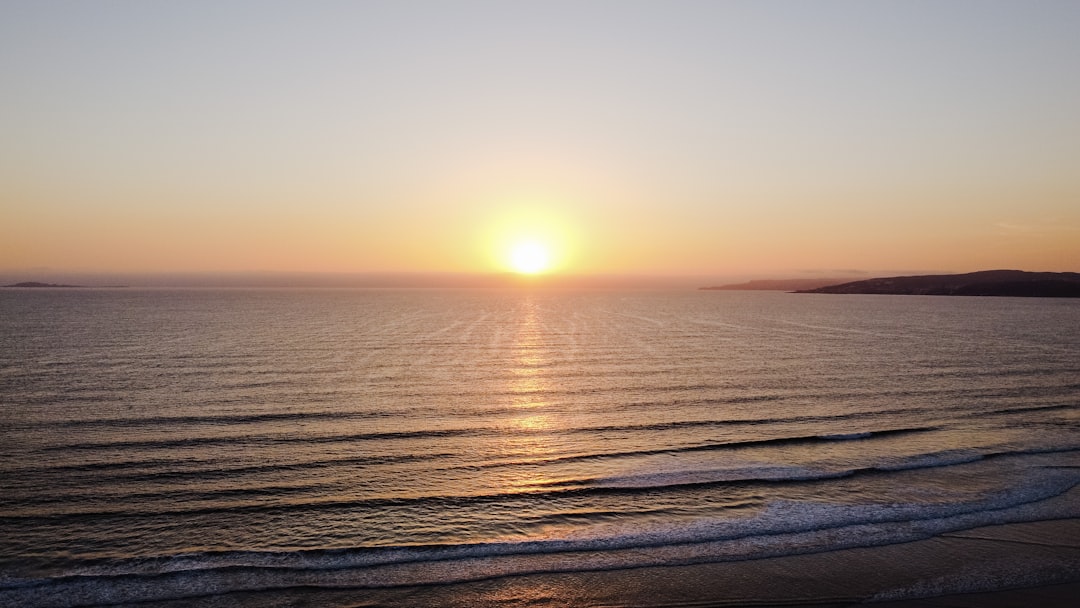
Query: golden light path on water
(529, 435)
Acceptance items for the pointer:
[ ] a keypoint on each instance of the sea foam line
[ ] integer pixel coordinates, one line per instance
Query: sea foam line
(784, 528)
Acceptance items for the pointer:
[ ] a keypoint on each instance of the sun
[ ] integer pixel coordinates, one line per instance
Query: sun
(530, 257)
(528, 240)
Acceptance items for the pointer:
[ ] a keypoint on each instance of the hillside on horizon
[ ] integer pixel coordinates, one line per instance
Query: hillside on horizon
(1016, 283)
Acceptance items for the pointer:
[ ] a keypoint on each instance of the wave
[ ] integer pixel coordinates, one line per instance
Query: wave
(748, 443)
(1025, 410)
(464, 432)
(162, 470)
(781, 528)
(168, 444)
(667, 479)
(847, 436)
(791, 473)
(210, 469)
(217, 420)
(942, 458)
(210, 502)
(976, 408)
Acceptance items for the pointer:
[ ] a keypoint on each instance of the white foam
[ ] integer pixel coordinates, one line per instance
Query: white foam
(781, 528)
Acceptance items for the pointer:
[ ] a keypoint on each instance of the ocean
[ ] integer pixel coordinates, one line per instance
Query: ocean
(262, 446)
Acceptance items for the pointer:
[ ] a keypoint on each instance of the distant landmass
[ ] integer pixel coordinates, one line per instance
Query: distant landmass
(778, 284)
(37, 284)
(1017, 283)
(361, 280)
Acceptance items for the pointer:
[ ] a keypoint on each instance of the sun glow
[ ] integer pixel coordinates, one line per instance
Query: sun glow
(530, 257)
(530, 237)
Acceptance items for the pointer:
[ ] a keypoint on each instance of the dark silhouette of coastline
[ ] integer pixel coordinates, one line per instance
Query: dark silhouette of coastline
(777, 285)
(37, 284)
(1014, 283)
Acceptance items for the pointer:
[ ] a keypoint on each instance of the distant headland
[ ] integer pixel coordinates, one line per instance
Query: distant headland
(37, 284)
(1015, 283)
(778, 285)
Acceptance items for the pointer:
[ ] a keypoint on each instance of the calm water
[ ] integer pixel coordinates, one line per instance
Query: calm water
(261, 439)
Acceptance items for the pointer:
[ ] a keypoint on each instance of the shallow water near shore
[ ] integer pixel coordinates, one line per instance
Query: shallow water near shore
(164, 445)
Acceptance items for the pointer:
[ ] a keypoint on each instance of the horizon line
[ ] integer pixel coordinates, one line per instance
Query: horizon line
(425, 279)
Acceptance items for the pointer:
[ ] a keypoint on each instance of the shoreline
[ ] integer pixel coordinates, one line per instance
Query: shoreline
(989, 560)
(1029, 563)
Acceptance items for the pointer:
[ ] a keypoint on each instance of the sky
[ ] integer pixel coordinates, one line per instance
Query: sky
(762, 138)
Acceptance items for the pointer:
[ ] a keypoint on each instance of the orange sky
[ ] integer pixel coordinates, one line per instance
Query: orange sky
(687, 138)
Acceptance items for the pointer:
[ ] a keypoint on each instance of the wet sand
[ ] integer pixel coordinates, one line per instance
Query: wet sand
(1036, 564)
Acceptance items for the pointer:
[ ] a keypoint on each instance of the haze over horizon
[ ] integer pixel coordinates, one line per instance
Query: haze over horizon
(681, 139)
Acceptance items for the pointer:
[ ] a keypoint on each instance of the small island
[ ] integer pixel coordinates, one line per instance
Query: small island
(37, 284)
(1014, 283)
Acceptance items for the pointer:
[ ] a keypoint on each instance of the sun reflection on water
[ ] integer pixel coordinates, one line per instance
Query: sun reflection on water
(533, 423)
(528, 383)
(528, 434)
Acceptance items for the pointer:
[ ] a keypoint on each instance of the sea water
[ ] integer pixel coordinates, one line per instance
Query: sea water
(162, 444)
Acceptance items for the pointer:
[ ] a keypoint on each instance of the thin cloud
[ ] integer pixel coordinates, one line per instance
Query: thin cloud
(1032, 229)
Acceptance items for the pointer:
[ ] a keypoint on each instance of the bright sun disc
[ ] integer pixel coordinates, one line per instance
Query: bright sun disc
(529, 257)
